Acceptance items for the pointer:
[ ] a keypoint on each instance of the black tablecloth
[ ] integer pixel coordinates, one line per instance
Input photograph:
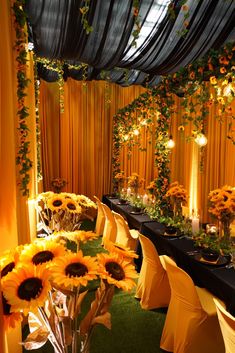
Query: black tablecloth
(220, 281)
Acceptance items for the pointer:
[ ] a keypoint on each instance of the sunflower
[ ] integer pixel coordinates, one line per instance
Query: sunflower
(26, 287)
(10, 319)
(74, 269)
(76, 236)
(84, 201)
(43, 252)
(120, 249)
(117, 270)
(72, 206)
(213, 80)
(9, 260)
(55, 203)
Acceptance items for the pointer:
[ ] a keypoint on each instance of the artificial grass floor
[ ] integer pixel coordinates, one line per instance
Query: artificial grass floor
(134, 330)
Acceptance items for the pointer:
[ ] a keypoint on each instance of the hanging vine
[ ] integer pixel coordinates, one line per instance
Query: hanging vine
(22, 159)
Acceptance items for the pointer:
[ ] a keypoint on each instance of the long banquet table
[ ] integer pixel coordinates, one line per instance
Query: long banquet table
(219, 280)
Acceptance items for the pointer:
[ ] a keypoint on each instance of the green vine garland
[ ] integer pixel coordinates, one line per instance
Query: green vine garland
(190, 82)
(22, 159)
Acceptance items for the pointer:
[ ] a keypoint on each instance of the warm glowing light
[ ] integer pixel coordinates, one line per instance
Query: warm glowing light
(126, 137)
(228, 90)
(201, 140)
(144, 122)
(136, 132)
(30, 46)
(193, 189)
(170, 143)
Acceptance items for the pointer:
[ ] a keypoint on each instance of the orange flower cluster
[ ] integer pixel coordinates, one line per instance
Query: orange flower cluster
(152, 187)
(177, 192)
(222, 203)
(135, 181)
(120, 177)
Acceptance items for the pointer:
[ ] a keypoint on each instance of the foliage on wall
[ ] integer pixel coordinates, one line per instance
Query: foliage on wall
(193, 83)
(22, 159)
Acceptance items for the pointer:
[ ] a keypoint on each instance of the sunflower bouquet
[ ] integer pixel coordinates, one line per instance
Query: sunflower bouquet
(152, 188)
(222, 206)
(58, 184)
(119, 180)
(178, 196)
(135, 182)
(47, 282)
(63, 211)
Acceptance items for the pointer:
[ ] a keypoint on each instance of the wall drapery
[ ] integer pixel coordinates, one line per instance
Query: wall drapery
(15, 226)
(82, 154)
(80, 139)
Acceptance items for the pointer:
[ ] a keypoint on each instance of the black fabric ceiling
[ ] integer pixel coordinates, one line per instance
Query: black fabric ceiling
(57, 32)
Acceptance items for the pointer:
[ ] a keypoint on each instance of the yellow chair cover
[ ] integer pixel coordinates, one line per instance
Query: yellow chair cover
(191, 324)
(125, 236)
(153, 286)
(100, 220)
(110, 227)
(227, 325)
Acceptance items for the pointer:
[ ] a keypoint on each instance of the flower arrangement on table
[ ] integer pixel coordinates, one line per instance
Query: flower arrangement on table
(120, 179)
(152, 188)
(135, 182)
(64, 211)
(58, 184)
(222, 206)
(178, 196)
(48, 282)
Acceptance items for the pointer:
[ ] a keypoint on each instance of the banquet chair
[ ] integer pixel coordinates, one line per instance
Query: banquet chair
(153, 287)
(100, 220)
(191, 324)
(227, 325)
(110, 227)
(125, 236)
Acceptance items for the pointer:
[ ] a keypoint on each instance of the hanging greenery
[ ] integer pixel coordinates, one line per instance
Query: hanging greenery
(193, 83)
(22, 159)
(38, 132)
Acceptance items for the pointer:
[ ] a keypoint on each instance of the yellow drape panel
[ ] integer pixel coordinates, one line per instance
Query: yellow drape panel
(15, 227)
(49, 111)
(82, 153)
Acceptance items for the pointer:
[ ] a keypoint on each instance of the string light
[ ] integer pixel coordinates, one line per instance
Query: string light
(170, 143)
(136, 132)
(201, 140)
(228, 89)
(30, 46)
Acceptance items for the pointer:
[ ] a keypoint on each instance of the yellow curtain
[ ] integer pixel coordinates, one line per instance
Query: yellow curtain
(49, 112)
(77, 144)
(15, 227)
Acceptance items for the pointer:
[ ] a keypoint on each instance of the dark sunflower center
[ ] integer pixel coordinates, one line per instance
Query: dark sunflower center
(57, 203)
(6, 306)
(30, 288)
(71, 206)
(7, 268)
(225, 198)
(76, 270)
(115, 270)
(42, 256)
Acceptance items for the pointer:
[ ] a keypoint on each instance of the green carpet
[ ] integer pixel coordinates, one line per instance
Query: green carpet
(133, 330)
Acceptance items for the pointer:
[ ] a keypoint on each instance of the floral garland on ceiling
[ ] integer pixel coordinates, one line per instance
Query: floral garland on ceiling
(22, 159)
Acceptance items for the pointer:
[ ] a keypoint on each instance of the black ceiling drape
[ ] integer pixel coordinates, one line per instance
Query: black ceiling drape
(57, 33)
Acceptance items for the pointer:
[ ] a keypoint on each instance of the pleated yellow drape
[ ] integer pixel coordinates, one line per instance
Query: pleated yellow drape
(15, 227)
(77, 144)
(49, 111)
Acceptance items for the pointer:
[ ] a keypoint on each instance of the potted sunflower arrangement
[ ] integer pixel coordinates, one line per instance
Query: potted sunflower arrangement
(222, 207)
(135, 182)
(178, 196)
(47, 283)
(63, 211)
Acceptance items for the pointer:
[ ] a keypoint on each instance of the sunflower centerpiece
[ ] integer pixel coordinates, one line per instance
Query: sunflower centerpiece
(47, 282)
(135, 182)
(63, 211)
(119, 181)
(178, 197)
(222, 207)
